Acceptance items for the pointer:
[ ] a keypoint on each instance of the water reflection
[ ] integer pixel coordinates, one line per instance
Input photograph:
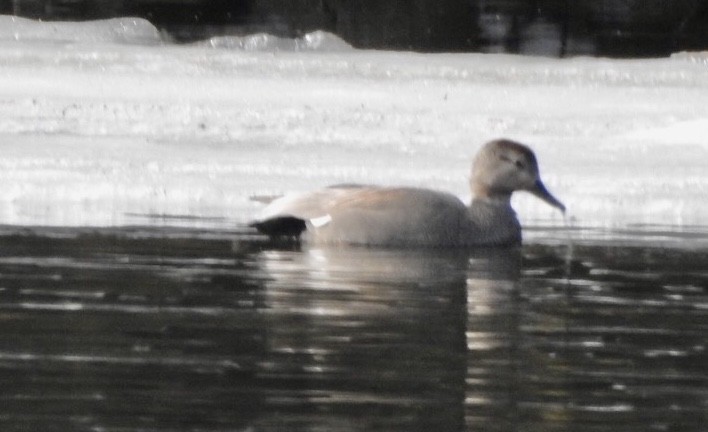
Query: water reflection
(156, 330)
(493, 344)
(618, 342)
(384, 342)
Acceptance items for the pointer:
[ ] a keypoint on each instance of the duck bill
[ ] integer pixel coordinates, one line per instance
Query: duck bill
(541, 192)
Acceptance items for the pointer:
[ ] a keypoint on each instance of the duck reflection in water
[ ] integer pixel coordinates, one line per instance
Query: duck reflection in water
(356, 328)
(409, 326)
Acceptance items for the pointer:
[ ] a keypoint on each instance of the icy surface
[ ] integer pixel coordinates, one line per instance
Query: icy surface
(108, 128)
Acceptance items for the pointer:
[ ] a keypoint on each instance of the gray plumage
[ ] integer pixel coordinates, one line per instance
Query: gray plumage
(407, 216)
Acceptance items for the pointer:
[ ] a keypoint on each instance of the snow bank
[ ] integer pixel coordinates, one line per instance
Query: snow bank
(108, 134)
(692, 56)
(117, 30)
(314, 41)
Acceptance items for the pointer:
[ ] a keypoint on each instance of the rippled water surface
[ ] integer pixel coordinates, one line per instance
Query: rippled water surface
(155, 329)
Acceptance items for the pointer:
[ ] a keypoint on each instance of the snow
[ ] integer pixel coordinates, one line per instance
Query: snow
(117, 30)
(105, 123)
(315, 41)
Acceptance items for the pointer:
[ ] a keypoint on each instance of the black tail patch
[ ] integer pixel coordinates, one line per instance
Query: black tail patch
(285, 226)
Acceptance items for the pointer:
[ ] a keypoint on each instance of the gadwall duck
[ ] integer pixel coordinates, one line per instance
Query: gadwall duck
(408, 216)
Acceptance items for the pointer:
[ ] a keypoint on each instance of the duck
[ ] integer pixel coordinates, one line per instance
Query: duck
(404, 216)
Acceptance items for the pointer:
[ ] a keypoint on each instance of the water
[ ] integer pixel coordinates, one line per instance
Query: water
(162, 329)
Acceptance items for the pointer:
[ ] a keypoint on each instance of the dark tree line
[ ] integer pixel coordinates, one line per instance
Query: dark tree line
(612, 27)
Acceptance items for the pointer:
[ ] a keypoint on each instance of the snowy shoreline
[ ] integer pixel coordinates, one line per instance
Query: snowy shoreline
(98, 125)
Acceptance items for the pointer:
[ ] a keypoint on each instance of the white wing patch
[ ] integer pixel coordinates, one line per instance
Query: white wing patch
(321, 221)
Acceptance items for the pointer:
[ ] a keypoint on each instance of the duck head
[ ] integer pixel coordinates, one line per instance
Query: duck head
(502, 167)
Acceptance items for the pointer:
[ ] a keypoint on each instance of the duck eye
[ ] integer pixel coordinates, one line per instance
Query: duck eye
(519, 164)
